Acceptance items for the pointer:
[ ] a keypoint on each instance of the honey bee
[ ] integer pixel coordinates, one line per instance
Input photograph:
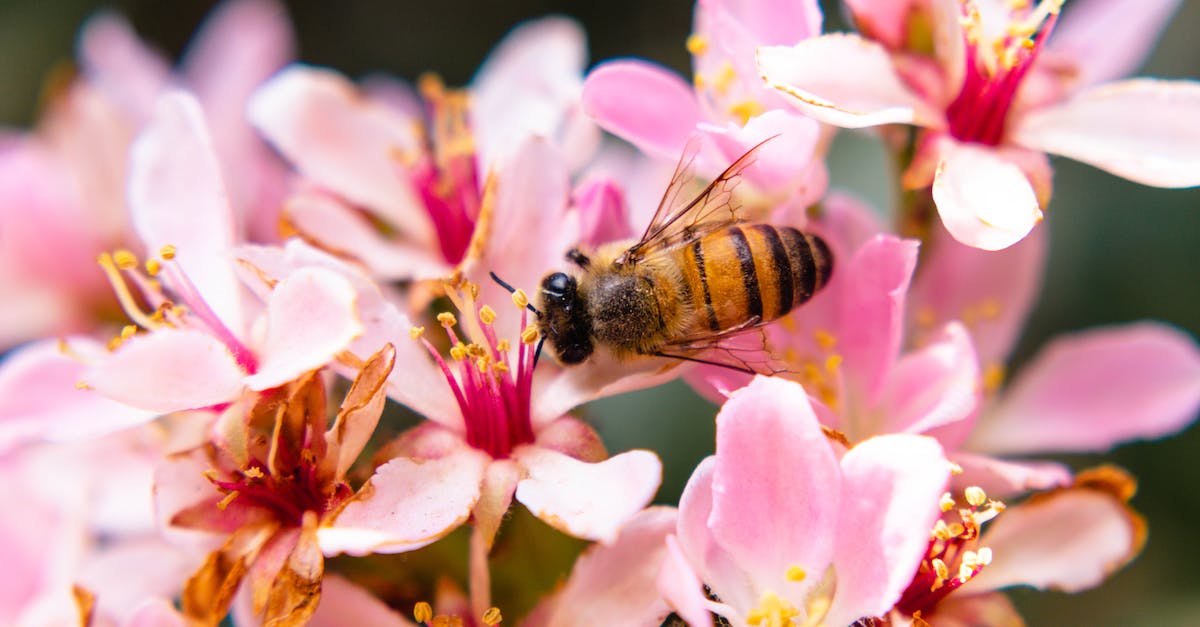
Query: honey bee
(697, 277)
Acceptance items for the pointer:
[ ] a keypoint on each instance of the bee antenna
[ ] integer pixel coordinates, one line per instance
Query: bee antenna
(512, 290)
(538, 352)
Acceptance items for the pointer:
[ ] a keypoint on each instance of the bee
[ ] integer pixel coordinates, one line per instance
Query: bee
(696, 277)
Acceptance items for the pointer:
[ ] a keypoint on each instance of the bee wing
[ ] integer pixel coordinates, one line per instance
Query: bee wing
(743, 348)
(678, 221)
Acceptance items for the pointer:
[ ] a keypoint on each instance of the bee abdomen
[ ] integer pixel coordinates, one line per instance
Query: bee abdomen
(753, 271)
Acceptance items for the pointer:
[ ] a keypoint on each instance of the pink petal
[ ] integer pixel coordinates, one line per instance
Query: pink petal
(782, 163)
(892, 485)
(1006, 478)
(495, 496)
(705, 558)
(1069, 540)
(1145, 130)
(585, 500)
(342, 141)
(885, 21)
(177, 198)
(603, 212)
(408, 505)
(775, 21)
(984, 200)
(168, 370)
(614, 584)
(39, 397)
(843, 80)
(871, 311)
(1104, 40)
(334, 226)
(680, 586)
(1093, 390)
(935, 386)
(311, 317)
(572, 437)
(972, 610)
(644, 104)
(131, 570)
(156, 613)
(776, 488)
(992, 292)
(125, 69)
(344, 603)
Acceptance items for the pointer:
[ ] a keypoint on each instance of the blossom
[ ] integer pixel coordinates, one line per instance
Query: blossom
(367, 162)
(783, 527)
(995, 98)
(63, 185)
(276, 476)
(657, 111)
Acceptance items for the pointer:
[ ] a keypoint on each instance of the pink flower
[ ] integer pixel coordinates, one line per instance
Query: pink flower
(63, 185)
(199, 348)
(273, 482)
(366, 160)
(783, 527)
(657, 111)
(996, 97)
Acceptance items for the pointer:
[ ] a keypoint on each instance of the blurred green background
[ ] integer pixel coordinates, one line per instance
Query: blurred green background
(1119, 252)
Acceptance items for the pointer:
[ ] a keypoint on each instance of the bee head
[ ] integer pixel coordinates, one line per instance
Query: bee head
(564, 319)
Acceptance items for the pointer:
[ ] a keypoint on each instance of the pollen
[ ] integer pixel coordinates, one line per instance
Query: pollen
(975, 495)
(128, 331)
(725, 78)
(423, 612)
(124, 259)
(492, 617)
(82, 385)
(520, 299)
(415, 333)
(253, 472)
(993, 378)
(447, 319)
(947, 502)
(529, 335)
(772, 611)
(458, 351)
(223, 503)
(487, 315)
(825, 339)
(697, 44)
(939, 567)
(796, 573)
(503, 346)
(745, 110)
(153, 266)
(167, 252)
(832, 363)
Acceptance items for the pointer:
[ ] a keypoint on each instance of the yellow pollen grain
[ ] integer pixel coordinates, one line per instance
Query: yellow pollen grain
(500, 368)
(825, 339)
(529, 335)
(82, 385)
(795, 573)
(458, 352)
(955, 529)
(503, 346)
(941, 530)
(124, 259)
(520, 299)
(947, 502)
(745, 110)
(965, 572)
(487, 315)
(832, 363)
(940, 568)
(167, 252)
(415, 333)
(697, 43)
(993, 378)
(128, 331)
(492, 617)
(447, 319)
(984, 555)
(1016, 5)
(253, 472)
(975, 495)
(153, 267)
(223, 503)
(725, 78)
(698, 81)
(955, 469)
(423, 612)
(114, 344)
(481, 364)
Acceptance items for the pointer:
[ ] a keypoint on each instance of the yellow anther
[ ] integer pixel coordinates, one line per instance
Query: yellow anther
(795, 573)
(698, 81)
(776, 612)
(458, 352)
(423, 612)
(481, 364)
(503, 346)
(114, 344)
(984, 555)
(825, 339)
(520, 299)
(955, 469)
(697, 43)
(473, 289)
(965, 572)
(832, 363)
(975, 495)
(167, 252)
(128, 331)
(447, 319)
(124, 259)
(492, 617)
(745, 110)
(725, 77)
(153, 266)
(82, 385)
(499, 367)
(223, 503)
(955, 529)
(940, 568)
(487, 315)
(941, 530)
(1016, 5)
(253, 472)
(475, 350)
(993, 378)
(529, 335)
(947, 502)
(415, 333)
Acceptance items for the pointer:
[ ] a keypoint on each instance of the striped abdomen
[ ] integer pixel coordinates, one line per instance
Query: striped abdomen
(750, 271)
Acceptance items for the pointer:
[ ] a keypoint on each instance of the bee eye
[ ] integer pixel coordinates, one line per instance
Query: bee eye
(558, 286)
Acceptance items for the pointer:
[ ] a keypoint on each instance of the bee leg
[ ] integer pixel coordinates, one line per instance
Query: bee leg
(577, 257)
(705, 361)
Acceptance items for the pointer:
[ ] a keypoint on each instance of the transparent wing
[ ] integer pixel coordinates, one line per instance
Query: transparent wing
(679, 221)
(743, 348)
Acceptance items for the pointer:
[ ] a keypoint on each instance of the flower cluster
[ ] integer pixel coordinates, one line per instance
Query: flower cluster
(301, 341)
